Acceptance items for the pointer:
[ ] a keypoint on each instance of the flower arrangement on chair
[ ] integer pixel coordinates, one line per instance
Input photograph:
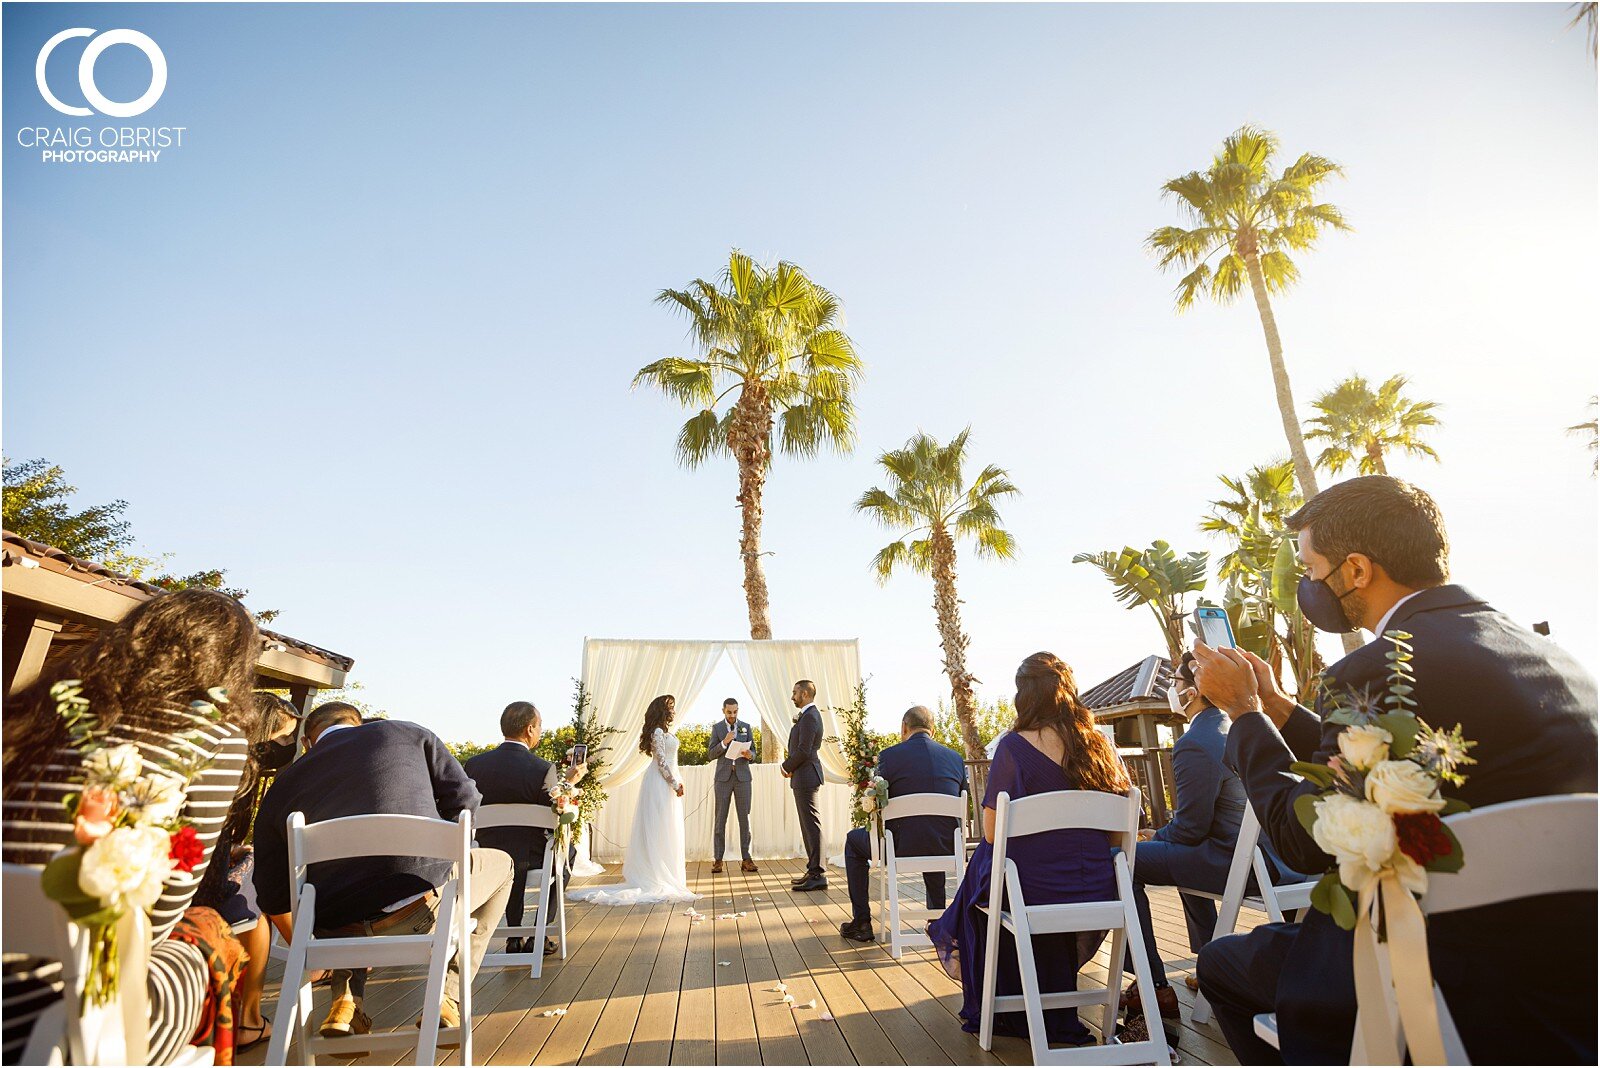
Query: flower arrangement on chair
(130, 840)
(1379, 816)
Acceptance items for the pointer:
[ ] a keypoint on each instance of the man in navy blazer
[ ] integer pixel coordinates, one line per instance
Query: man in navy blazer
(1519, 977)
(918, 765)
(513, 774)
(803, 768)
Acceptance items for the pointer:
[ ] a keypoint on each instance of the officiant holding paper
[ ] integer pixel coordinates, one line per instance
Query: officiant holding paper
(731, 742)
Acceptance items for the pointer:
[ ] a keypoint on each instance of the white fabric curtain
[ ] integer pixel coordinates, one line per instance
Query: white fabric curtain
(624, 676)
(769, 669)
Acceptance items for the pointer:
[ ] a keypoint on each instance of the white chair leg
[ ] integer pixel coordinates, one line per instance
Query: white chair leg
(990, 975)
(1038, 1040)
(1108, 1018)
(286, 1021)
(433, 992)
(895, 944)
(464, 969)
(1201, 1013)
(561, 896)
(541, 916)
(1141, 965)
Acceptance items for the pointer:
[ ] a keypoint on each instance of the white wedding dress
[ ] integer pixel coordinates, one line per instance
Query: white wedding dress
(653, 869)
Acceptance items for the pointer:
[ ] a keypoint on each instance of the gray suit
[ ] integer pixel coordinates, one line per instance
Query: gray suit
(732, 783)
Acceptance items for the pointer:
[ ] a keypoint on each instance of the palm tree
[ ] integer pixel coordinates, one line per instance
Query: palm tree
(770, 339)
(933, 507)
(1360, 425)
(1262, 500)
(1157, 577)
(1590, 432)
(1585, 13)
(1254, 220)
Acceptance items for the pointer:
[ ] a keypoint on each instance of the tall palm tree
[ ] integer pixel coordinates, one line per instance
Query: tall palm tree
(770, 340)
(1360, 425)
(1590, 432)
(1156, 577)
(933, 507)
(1254, 220)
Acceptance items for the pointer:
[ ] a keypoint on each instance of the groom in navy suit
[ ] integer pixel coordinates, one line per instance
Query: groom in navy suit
(1518, 976)
(803, 768)
(918, 765)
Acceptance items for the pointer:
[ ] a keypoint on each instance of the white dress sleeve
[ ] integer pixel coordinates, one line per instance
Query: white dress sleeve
(657, 754)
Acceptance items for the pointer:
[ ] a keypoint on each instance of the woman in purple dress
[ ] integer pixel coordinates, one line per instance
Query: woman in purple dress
(1053, 746)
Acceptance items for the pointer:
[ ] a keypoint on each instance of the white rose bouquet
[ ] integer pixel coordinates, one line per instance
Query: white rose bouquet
(1379, 812)
(130, 841)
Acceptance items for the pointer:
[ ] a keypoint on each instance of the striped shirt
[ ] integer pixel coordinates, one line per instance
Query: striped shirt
(35, 827)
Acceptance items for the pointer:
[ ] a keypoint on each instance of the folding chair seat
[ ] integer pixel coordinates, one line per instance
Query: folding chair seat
(548, 881)
(1007, 908)
(1277, 901)
(375, 836)
(893, 914)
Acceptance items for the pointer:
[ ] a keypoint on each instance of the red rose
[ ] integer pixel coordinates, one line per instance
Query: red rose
(1422, 836)
(185, 850)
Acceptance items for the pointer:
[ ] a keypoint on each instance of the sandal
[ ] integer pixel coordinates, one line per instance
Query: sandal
(262, 1033)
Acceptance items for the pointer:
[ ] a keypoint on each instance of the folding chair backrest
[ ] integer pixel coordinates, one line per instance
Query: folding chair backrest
(1091, 810)
(953, 805)
(374, 836)
(1539, 845)
(489, 816)
(35, 926)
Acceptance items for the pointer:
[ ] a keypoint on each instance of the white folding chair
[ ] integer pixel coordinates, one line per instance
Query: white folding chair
(1067, 810)
(1278, 902)
(892, 866)
(36, 927)
(376, 836)
(548, 880)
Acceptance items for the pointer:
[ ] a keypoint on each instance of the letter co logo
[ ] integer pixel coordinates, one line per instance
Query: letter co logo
(91, 53)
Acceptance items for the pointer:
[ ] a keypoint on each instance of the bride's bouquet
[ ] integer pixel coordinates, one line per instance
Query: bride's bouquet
(129, 840)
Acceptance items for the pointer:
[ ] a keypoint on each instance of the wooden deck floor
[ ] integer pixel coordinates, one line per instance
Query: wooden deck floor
(643, 985)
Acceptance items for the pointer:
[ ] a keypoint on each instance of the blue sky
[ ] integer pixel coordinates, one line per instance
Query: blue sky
(366, 339)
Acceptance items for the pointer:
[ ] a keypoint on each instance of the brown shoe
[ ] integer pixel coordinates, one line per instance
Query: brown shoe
(345, 1017)
(748, 865)
(1192, 982)
(716, 867)
(1166, 1001)
(449, 1016)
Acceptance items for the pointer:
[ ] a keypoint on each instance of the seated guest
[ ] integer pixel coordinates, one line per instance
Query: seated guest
(1052, 746)
(512, 774)
(1519, 977)
(140, 676)
(227, 888)
(385, 767)
(918, 765)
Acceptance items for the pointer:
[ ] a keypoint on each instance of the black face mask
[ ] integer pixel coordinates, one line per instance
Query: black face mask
(1323, 608)
(273, 755)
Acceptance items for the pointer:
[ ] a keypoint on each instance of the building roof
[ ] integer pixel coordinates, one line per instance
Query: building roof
(1142, 685)
(89, 595)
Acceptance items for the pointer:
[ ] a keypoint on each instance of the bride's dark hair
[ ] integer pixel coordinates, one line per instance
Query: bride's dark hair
(657, 715)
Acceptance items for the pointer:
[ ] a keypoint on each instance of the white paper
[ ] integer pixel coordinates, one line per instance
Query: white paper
(737, 750)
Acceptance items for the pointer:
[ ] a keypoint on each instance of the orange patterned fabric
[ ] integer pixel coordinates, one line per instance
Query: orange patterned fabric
(207, 931)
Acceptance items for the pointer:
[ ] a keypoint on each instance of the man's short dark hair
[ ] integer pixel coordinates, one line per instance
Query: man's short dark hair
(734, 701)
(328, 714)
(808, 686)
(1393, 523)
(917, 718)
(517, 718)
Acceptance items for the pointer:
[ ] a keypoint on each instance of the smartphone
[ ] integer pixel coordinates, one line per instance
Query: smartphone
(578, 754)
(1211, 624)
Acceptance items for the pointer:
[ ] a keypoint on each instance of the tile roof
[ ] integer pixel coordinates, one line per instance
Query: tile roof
(1144, 681)
(14, 549)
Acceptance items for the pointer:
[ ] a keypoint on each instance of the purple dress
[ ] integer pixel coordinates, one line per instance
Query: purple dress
(1055, 867)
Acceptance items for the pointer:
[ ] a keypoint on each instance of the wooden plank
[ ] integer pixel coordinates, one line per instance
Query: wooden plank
(736, 1025)
(777, 1030)
(695, 1039)
(573, 1031)
(658, 1009)
(613, 1032)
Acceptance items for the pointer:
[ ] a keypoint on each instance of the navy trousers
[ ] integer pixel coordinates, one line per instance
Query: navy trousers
(857, 857)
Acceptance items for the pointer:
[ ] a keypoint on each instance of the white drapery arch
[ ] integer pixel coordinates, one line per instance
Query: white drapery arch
(624, 675)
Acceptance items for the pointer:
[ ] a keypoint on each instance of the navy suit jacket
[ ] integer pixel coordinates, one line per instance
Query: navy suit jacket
(803, 763)
(1210, 803)
(511, 774)
(387, 767)
(920, 765)
(1531, 708)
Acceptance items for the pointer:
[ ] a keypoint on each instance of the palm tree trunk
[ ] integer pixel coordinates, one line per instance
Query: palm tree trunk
(1303, 471)
(947, 607)
(1375, 457)
(748, 435)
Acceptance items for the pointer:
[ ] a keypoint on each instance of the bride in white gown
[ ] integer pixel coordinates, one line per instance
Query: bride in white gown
(653, 868)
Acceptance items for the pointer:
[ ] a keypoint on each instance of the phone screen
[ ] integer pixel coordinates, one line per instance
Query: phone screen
(579, 755)
(1214, 629)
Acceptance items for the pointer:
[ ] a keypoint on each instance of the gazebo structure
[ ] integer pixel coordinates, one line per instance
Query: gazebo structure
(54, 601)
(1133, 702)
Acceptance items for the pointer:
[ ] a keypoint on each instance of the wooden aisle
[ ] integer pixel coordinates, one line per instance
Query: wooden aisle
(644, 985)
